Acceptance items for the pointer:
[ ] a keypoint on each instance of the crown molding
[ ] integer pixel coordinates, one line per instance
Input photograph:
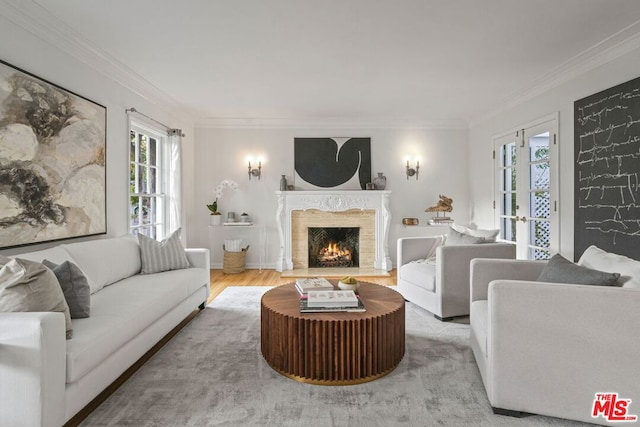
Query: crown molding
(38, 21)
(327, 123)
(611, 48)
(35, 19)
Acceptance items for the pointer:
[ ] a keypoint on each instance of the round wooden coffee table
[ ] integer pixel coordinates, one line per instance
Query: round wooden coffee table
(333, 348)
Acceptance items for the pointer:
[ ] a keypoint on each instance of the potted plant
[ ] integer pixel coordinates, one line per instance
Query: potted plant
(216, 216)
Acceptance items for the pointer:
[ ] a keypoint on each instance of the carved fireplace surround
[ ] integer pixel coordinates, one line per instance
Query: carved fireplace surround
(376, 202)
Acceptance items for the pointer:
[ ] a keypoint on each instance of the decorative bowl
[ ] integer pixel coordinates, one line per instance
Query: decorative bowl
(348, 286)
(410, 221)
(348, 283)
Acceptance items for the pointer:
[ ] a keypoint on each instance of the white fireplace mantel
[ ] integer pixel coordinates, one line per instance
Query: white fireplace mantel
(334, 201)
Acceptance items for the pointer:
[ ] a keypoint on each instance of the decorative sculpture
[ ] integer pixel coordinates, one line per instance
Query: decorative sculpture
(445, 204)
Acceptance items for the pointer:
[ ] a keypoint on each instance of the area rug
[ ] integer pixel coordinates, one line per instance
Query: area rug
(212, 374)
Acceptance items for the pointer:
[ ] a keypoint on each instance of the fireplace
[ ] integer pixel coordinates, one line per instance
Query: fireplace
(333, 247)
(368, 211)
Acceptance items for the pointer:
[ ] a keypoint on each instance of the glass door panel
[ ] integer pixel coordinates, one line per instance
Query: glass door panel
(507, 178)
(525, 186)
(538, 212)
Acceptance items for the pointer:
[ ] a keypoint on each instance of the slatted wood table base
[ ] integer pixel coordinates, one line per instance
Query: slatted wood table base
(333, 348)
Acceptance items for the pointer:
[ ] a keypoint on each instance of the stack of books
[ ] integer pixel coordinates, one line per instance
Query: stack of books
(440, 221)
(331, 301)
(313, 284)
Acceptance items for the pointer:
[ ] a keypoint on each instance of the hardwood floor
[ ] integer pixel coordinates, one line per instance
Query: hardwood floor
(220, 280)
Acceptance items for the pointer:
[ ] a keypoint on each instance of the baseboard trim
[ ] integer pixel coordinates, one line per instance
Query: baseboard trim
(91, 406)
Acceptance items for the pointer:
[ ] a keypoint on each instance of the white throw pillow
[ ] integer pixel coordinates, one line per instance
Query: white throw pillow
(489, 236)
(162, 256)
(455, 238)
(598, 259)
(30, 286)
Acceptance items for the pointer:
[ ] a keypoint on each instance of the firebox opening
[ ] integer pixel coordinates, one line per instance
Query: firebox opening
(334, 247)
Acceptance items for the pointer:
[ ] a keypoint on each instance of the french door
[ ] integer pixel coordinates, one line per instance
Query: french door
(526, 188)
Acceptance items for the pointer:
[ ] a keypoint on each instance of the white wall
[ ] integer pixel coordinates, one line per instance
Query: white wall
(453, 162)
(37, 56)
(559, 99)
(211, 155)
(222, 154)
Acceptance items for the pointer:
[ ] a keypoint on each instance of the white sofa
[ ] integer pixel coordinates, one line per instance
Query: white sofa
(548, 348)
(44, 379)
(440, 284)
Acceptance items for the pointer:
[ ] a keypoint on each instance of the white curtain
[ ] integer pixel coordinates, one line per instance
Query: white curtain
(173, 159)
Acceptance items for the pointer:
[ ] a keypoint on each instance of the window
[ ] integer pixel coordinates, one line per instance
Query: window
(147, 194)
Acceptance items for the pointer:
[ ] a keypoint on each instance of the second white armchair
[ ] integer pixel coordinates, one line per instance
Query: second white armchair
(435, 276)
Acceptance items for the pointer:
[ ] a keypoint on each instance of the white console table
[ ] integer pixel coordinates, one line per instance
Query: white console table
(421, 230)
(219, 233)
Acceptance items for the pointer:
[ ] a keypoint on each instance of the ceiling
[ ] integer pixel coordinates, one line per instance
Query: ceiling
(371, 60)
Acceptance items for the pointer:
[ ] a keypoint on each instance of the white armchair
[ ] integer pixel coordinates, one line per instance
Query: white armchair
(548, 348)
(441, 284)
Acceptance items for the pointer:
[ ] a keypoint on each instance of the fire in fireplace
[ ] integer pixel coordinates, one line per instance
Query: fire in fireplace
(333, 247)
(335, 255)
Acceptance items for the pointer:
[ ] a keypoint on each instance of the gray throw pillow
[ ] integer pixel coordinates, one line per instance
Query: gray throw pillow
(454, 238)
(162, 256)
(75, 287)
(28, 286)
(561, 270)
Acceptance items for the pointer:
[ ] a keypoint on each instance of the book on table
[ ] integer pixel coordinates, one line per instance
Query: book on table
(304, 308)
(325, 299)
(313, 284)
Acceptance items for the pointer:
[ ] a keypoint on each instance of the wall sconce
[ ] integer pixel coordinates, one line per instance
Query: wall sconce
(411, 171)
(255, 172)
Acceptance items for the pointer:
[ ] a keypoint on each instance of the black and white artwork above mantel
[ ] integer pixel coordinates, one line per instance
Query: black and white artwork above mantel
(335, 163)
